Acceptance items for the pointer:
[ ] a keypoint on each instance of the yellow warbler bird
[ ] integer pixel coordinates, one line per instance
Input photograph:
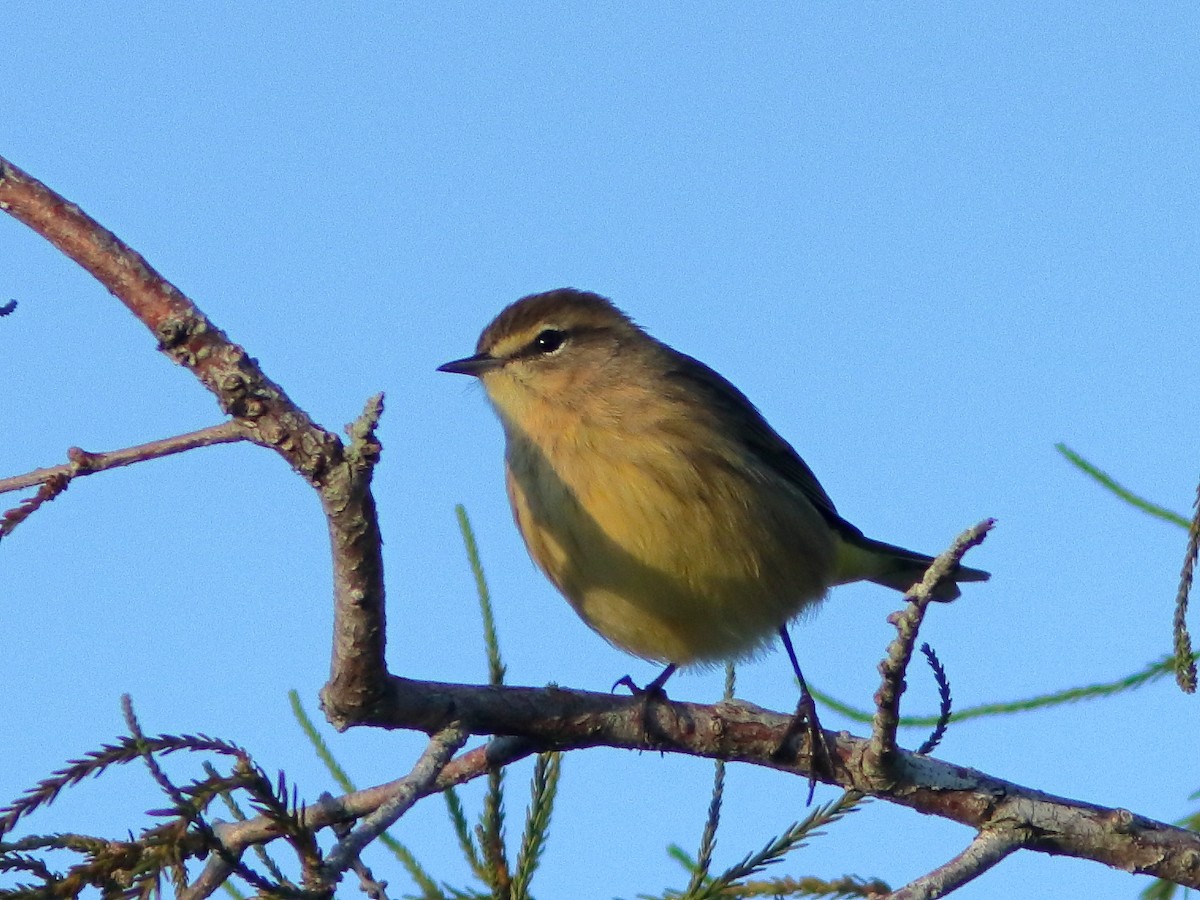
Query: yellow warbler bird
(678, 524)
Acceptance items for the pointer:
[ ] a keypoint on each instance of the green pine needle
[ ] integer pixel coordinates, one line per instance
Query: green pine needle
(318, 743)
(491, 643)
(462, 830)
(796, 836)
(1106, 481)
(543, 791)
(1151, 673)
(708, 839)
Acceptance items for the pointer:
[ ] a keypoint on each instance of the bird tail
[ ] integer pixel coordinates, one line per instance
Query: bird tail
(862, 559)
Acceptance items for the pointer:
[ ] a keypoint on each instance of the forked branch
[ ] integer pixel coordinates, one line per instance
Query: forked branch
(263, 413)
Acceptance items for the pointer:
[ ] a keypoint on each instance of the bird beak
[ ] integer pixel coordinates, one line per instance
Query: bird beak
(472, 365)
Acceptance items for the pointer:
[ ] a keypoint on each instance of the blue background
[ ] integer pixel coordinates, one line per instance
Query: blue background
(928, 240)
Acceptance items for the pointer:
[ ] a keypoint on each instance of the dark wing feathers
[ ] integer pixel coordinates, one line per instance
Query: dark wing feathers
(741, 418)
(738, 416)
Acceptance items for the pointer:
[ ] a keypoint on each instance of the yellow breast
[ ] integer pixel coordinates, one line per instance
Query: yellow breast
(676, 555)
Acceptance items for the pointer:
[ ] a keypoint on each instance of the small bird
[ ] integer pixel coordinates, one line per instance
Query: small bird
(653, 494)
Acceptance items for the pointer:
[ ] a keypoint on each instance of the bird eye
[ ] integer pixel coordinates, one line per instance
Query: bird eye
(549, 341)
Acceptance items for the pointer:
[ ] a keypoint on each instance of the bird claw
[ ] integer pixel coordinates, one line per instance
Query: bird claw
(653, 690)
(820, 756)
(627, 682)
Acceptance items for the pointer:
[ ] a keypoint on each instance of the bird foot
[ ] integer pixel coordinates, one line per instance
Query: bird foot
(654, 690)
(820, 755)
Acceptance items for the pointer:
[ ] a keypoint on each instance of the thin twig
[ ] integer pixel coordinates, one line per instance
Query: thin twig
(404, 793)
(899, 653)
(27, 507)
(215, 873)
(989, 847)
(84, 463)
(368, 883)
(405, 856)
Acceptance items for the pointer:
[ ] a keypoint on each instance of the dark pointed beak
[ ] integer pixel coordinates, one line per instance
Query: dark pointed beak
(473, 365)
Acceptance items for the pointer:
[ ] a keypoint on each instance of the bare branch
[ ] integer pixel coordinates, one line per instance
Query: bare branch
(403, 794)
(216, 872)
(367, 882)
(988, 848)
(264, 412)
(56, 479)
(84, 463)
(740, 732)
(27, 507)
(899, 653)
(567, 719)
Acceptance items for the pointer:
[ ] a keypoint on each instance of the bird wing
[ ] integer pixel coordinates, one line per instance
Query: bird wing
(737, 418)
(740, 419)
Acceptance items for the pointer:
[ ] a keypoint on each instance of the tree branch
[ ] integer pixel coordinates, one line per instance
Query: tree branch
(266, 415)
(81, 462)
(561, 719)
(899, 652)
(555, 718)
(988, 848)
(403, 794)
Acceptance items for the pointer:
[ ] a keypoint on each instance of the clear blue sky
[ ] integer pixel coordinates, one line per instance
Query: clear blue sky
(929, 241)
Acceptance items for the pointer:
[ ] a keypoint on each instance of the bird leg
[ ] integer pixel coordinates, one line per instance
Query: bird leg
(820, 757)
